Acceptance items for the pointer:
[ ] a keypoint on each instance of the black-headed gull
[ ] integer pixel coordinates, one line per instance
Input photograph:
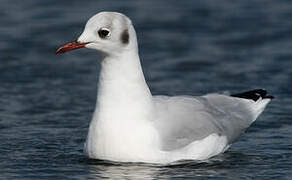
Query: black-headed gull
(131, 125)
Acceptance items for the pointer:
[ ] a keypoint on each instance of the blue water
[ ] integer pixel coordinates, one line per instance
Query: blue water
(186, 47)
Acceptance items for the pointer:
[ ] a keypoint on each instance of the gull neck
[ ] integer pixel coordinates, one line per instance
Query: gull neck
(122, 89)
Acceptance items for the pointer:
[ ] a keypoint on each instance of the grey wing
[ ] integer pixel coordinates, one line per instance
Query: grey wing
(181, 120)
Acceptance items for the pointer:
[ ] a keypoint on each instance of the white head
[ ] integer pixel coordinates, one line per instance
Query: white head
(108, 32)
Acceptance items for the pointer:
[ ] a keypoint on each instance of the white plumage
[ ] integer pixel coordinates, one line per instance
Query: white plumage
(131, 125)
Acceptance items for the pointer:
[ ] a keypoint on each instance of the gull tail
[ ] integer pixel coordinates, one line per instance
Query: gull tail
(260, 98)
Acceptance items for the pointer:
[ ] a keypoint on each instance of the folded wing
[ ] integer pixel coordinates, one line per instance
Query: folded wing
(181, 120)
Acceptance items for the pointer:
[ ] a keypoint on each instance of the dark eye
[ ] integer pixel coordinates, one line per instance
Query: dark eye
(104, 32)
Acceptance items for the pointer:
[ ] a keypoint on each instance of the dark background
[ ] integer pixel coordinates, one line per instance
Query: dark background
(186, 47)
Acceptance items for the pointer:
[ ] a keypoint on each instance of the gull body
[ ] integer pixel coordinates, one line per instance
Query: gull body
(131, 125)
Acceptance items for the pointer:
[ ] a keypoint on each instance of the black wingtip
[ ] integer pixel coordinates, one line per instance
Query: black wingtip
(269, 97)
(254, 95)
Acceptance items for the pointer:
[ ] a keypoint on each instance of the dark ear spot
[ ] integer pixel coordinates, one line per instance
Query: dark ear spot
(125, 36)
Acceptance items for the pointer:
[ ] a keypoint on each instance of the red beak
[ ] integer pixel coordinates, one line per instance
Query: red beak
(71, 46)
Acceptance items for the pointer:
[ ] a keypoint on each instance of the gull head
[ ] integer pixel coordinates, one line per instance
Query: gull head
(108, 32)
